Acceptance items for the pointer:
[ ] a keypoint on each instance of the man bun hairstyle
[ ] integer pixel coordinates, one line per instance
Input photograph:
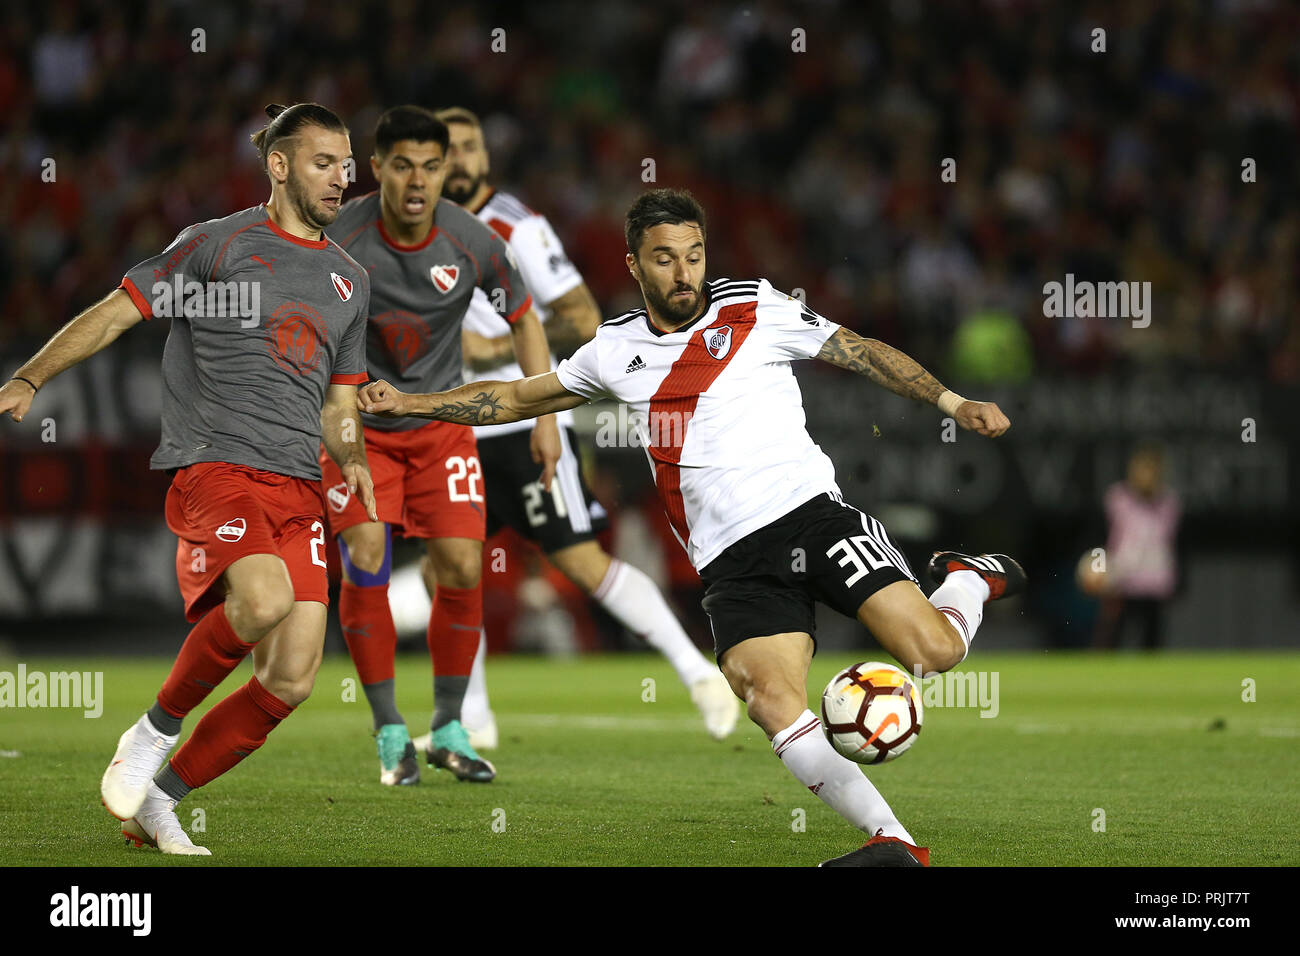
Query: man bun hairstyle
(288, 121)
(409, 122)
(660, 207)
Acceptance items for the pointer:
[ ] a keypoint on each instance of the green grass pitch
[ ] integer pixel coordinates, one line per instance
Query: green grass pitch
(1185, 771)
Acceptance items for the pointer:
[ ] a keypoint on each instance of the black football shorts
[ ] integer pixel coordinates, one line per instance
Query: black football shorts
(767, 582)
(568, 514)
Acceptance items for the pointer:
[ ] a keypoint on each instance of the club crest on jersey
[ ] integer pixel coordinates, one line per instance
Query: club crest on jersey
(718, 341)
(342, 286)
(444, 277)
(232, 530)
(338, 497)
(406, 336)
(296, 335)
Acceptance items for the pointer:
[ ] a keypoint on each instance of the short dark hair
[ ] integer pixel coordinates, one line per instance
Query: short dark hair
(409, 122)
(288, 121)
(458, 114)
(659, 207)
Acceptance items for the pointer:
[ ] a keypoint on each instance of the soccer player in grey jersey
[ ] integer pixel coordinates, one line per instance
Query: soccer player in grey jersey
(426, 257)
(262, 362)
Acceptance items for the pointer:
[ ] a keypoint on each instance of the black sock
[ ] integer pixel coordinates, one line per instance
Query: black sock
(448, 695)
(383, 702)
(170, 782)
(163, 721)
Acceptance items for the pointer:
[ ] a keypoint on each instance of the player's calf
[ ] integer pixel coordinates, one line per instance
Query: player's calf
(286, 661)
(585, 564)
(929, 643)
(770, 674)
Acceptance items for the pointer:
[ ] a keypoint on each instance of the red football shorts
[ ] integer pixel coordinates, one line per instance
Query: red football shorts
(223, 512)
(428, 483)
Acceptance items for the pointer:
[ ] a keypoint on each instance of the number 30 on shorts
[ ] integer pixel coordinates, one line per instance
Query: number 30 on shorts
(464, 470)
(852, 551)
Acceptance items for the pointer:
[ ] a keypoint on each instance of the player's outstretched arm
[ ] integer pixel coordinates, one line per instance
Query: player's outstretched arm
(340, 433)
(81, 338)
(903, 375)
(479, 403)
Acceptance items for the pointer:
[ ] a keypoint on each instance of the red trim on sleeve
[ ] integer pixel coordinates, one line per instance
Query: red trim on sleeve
(503, 228)
(309, 243)
(513, 317)
(356, 378)
(141, 303)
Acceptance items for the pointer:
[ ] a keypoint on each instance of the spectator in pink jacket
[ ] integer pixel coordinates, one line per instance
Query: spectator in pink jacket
(1141, 566)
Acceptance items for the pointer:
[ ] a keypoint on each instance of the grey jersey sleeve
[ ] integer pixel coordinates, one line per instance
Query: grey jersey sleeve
(190, 257)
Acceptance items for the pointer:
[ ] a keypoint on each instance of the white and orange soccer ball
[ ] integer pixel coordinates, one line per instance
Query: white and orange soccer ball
(871, 712)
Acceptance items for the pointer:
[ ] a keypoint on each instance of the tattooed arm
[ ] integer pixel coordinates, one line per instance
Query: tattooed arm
(479, 403)
(902, 375)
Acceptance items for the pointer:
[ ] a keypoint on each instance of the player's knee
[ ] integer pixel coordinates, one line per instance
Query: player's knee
(292, 689)
(460, 571)
(366, 556)
(257, 608)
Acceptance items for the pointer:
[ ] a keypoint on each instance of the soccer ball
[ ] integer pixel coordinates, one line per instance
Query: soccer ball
(871, 712)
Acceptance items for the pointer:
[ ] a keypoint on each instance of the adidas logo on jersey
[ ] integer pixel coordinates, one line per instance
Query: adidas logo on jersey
(635, 365)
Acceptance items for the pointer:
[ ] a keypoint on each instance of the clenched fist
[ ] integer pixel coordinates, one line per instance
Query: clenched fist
(380, 398)
(983, 418)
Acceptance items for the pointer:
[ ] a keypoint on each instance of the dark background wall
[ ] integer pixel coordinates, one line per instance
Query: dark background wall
(815, 135)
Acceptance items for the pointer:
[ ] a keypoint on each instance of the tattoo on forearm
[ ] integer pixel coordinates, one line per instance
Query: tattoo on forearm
(884, 365)
(483, 409)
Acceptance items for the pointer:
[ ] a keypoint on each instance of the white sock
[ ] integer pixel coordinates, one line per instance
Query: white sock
(961, 599)
(631, 597)
(838, 781)
(476, 711)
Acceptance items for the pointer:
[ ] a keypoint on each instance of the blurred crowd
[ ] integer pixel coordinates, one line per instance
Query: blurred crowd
(815, 134)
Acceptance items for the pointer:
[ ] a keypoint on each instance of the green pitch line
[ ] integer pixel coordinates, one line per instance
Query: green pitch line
(1184, 771)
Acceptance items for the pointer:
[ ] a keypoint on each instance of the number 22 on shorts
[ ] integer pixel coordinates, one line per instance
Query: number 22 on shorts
(467, 470)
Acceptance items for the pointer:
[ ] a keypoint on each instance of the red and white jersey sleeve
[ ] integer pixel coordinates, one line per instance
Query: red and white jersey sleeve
(718, 409)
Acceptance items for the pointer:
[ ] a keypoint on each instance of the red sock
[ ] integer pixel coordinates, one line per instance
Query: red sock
(454, 630)
(228, 733)
(368, 629)
(210, 652)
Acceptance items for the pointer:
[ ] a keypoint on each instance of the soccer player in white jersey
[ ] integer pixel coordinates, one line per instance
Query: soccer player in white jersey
(706, 364)
(564, 522)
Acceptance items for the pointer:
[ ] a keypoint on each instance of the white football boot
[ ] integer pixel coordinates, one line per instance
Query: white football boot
(717, 704)
(140, 752)
(155, 824)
